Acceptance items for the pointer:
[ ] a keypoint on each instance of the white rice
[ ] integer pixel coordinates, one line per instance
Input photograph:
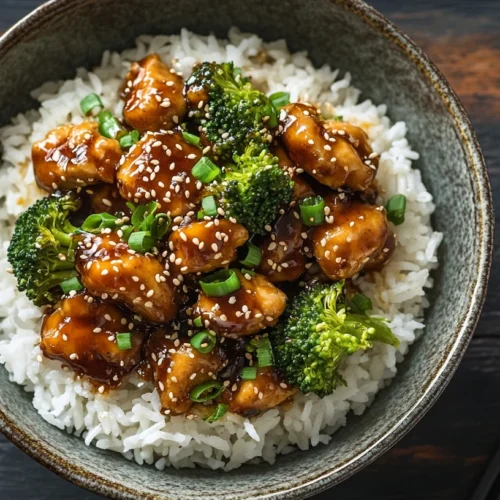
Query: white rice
(129, 420)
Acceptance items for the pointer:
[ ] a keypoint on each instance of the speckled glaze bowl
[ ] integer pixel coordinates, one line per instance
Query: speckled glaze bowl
(64, 34)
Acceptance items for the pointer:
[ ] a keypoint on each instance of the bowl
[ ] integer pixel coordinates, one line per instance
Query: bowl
(62, 35)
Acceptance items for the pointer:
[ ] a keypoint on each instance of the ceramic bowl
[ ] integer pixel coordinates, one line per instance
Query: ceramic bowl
(64, 34)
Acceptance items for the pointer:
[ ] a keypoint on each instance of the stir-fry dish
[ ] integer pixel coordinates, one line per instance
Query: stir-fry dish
(206, 241)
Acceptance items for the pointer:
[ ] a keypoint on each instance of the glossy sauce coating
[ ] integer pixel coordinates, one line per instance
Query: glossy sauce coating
(256, 305)
(82, 335)
(158, 168)
(110, 270)
(106, 198)
(73, 156)
(153, 95)
(206, 245)
(330, 157)
(178, 368)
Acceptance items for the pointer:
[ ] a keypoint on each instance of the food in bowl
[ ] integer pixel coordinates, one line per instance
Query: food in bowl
(216, 251)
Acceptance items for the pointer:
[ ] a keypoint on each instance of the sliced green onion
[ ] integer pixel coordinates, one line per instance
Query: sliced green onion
(89, 103)
(249, 373)
(95, 223)
(160, 226)
(219, 412)
(253, 256)
(126, 232)
(220, 283)
(206, 392)
(265, 352)
(198, 322)
(140, 241)
(312, 210)
(280, 99)
(128, 140)
(143, 215)
(104, 116)
(203, 342)
(205, 170)
(111, 128)
(361, 303)
(209, 206)
(73, 284)
(124, 341)
(271, 112)
(192, 139)
(200, 215)
(396, 208)
(248, 272)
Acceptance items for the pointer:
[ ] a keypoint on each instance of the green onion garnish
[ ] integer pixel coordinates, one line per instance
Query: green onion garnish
(312, 210)
(203, 342)
(253, 256)
(95, 223)
(338, 118)
(200, 215)
(250, 272)
(128, 140)
(73, 284)
(141, 241)
(205, 170)
(143, 216)
(396, 208)
(206, 392)
(249, 373)
(89, 103)
(220, 283)
(219, 412)
(198, 322)
(104, 116)
(126, 232)
(191, 139)
(361, 303)
(264, 352)
(280, 99)
(271, 112)
(124, 341)
(111, 128)
(209, 206)
(160, 226)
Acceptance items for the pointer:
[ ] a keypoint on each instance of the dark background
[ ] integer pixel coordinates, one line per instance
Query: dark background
(444, 456)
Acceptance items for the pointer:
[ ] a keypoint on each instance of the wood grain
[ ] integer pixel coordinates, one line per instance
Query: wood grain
(443, 457)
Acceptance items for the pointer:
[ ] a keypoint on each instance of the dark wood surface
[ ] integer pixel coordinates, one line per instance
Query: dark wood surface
(444, 456)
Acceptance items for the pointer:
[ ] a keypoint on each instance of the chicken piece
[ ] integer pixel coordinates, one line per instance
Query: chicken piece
(106, 198)
(333, 158)
(73, 156)
(256, 305)
(82, 335)
(153, 95)
(111, 270)
(178, 368)
(204, 246)
(380, 259)
(158, 168)
(282, 256)
(266, 391)
(301, 188)
(357, 234)
(196, 97)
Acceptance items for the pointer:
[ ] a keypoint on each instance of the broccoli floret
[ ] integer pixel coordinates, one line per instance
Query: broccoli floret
(253, 188)
(42, 250)
(236, 110)
(318, 334)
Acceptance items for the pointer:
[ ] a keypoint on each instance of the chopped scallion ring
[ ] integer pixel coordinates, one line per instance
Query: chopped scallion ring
(198, 322)
(312, 210)
(219, 412)
(249, 373)
(111, 128)
(396, 208)
(220, 283)
(141, 241)
(361, 303)
(203, 342)
(206, 392)
(205, 170)
(265, 353)
(209, 206)
(95, 223)
(253, 256)
(200, 215)
(192, 139)
(280, 99)
(89, 103)
(271, 112)
(126, 232)
(124, 341)
(160, 226)
(104, 116)
(73, 284)
(128, 140)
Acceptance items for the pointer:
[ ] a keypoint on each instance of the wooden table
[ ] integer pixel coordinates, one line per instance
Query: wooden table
(444, 456)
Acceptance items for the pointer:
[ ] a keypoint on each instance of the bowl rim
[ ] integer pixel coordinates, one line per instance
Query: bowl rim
(485, 232)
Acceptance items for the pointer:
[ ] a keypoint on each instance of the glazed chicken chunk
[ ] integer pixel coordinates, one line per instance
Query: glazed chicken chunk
(329, 153)
(282, 256)
(266, 391)
(256, 305)
(201, 247)
(357, 234)
(73, 156)
(111, 270)
(178, 368)
(158, 168)
(82, 334)
(153, 95)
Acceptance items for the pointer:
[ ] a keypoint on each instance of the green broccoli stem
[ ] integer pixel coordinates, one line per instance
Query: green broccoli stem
(64, 237)
(56, 279)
